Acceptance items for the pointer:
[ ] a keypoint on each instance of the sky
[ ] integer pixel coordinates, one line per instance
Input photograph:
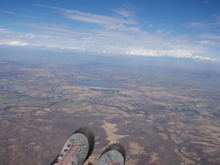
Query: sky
(173, 28)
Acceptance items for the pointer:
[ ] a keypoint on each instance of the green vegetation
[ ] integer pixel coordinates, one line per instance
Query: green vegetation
(92, 76)
(10, 81)
(56, 79)
(6, 100)
(31, 102)
(75, 103)
(124, 95)
(28, 101)
(78, 104)
(11, 100)
(83, 106)
(191, 104)
(127, 101)
(107, 94)
(211, 104)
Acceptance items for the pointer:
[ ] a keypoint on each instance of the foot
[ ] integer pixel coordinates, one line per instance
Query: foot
(77, 148)
(113, 155)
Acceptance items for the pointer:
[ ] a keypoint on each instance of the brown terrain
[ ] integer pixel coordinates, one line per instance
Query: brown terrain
(158, 123)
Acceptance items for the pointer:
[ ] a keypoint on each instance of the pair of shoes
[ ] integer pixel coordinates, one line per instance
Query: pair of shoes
(79, 147)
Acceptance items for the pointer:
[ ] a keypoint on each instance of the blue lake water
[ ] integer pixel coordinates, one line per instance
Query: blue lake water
(95, 84)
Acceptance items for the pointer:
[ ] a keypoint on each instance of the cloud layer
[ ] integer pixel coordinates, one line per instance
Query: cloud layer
(119, 34)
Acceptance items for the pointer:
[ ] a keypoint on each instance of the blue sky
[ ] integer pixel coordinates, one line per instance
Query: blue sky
(174, 28)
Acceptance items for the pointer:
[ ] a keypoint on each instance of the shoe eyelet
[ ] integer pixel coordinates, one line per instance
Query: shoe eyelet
(73, 163)
(84, 145)
(80, 151)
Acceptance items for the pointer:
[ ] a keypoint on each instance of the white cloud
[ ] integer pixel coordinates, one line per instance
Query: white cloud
(210, 40)
(21, 15)
(169, 32)
(122, 42)
(159, 31)
(210, 36)
(113, 23)
(11, 38)
(217, 17)
(122, 12)
(203, 58)
(198, 25)
(52, 29)
(13, 43)
(92, 18)
(205, 24)
(157, 53)
(52, 7)
(121, 27)
(16, 43)
(210, 43)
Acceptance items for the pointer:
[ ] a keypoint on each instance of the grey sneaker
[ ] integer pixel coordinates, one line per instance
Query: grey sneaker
(113, 155)
(77, 148)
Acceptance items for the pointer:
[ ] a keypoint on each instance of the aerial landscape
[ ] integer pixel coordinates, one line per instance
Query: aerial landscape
(159, 113)
(148, 83)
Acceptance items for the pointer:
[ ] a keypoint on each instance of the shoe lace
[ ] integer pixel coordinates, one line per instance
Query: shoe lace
(112, 161)
(67, 156)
